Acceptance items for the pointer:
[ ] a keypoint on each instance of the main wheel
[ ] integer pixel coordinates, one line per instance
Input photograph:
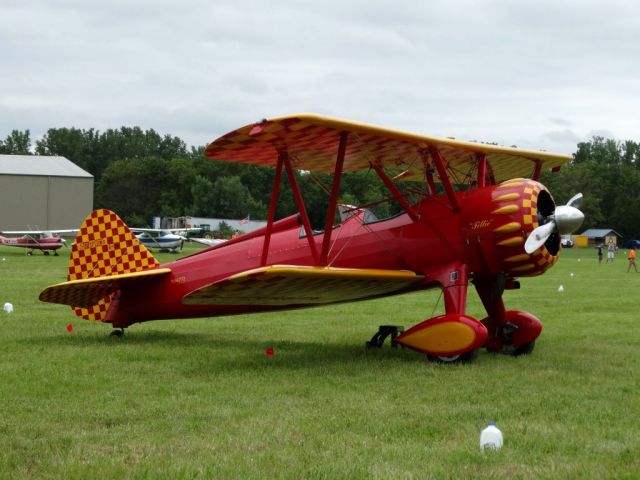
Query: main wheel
(524, 349)
(465, 357)
(117, 333)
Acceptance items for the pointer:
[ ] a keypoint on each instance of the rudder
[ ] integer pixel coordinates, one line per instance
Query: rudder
(105, 246)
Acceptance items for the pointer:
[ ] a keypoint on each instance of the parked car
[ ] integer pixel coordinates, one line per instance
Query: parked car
(566, 241)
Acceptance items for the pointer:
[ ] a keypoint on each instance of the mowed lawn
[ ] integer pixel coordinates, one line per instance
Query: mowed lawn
(200, 399)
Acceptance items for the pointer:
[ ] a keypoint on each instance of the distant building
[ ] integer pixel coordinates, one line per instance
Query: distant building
(43, 193)
(599, 236)
(243, 225)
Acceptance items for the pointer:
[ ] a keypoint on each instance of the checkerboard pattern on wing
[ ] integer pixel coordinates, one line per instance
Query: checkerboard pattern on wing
(311, 142)
(291, 285)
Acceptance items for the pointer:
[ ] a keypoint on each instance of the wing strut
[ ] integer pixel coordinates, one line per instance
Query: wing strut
(300, 204)
(275, 193)
(537, 171)
(395, 192)
(444, 177)
(482, 169)
(333, 199)
(428, 173)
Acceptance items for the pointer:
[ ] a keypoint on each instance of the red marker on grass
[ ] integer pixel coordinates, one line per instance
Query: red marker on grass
(269, 352)
(69, 328)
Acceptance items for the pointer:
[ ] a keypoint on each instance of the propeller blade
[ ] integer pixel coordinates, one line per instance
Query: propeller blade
(565, 219)
(575, 201)
(539, 236)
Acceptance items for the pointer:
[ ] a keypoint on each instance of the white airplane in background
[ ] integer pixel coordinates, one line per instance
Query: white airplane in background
(165, 240)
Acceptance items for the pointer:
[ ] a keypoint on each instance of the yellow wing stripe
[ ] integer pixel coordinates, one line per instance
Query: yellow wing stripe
(298, 285)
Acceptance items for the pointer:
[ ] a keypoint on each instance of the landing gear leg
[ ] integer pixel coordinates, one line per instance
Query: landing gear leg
(511, 332)
(453, 337)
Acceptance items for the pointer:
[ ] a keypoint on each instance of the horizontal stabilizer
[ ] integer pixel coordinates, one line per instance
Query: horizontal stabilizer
(89, 291)
(298, 285)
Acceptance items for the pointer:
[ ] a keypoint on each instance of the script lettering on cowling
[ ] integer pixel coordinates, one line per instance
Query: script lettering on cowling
(479, 224)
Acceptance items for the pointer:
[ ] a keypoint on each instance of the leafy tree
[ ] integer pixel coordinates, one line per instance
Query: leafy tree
(202, 194)
(71, 143)
(607, 173)
(231, 199)
(16, 143)
(224, 231)
(147, 187)
(94, 151)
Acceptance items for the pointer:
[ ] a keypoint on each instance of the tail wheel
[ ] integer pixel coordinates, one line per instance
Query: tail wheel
(117, 333)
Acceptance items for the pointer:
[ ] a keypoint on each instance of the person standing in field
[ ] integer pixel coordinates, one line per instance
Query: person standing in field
(600, 247)
(611, 250)
(632, 260)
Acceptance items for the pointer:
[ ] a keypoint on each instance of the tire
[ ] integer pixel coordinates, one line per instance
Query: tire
(465, 357)
(524, 349)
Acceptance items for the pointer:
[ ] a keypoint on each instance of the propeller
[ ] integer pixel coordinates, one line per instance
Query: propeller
(564, 220)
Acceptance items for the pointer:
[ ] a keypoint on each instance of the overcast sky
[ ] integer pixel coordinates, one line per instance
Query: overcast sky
(540, 74)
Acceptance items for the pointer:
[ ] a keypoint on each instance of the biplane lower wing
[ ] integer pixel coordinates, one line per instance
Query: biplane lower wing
(290, 285)
(88, 292)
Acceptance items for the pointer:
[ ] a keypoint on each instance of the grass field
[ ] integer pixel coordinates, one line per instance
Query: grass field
(200, 399)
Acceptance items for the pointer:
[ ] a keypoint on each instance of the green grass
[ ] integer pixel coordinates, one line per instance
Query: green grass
(199, 398)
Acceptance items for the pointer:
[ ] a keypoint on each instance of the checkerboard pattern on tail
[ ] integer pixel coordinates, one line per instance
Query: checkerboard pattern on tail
(105, 246)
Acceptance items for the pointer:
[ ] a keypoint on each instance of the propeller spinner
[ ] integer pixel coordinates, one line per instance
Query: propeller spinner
(564, 220)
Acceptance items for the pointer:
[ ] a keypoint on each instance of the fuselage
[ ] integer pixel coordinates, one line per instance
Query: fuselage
(485, 237)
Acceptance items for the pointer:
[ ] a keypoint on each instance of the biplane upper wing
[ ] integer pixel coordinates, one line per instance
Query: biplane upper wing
(311, 142)
(302, 285)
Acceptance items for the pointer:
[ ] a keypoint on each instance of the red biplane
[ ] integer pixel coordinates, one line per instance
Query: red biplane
(46, 241)
(481, 217)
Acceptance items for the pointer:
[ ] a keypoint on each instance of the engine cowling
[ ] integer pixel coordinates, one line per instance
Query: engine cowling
(498, 220)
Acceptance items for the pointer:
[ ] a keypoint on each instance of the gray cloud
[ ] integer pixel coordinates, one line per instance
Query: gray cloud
(541, 75)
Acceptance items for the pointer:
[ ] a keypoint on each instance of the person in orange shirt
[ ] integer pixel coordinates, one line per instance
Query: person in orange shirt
(632, 260)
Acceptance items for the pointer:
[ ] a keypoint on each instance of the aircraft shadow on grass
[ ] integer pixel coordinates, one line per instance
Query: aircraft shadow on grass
(247, 354)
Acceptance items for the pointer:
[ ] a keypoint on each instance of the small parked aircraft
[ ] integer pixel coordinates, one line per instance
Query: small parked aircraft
(165, 240)
(210, 242)
(46, 241)
(481, 216)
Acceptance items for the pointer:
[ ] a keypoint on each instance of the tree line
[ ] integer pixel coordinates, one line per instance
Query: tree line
(140, 174)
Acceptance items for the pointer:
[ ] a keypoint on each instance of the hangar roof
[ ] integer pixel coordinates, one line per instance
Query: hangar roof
(599, 232)
(40, 165)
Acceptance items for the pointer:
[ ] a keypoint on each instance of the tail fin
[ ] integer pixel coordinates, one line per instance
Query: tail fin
(105, 246)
